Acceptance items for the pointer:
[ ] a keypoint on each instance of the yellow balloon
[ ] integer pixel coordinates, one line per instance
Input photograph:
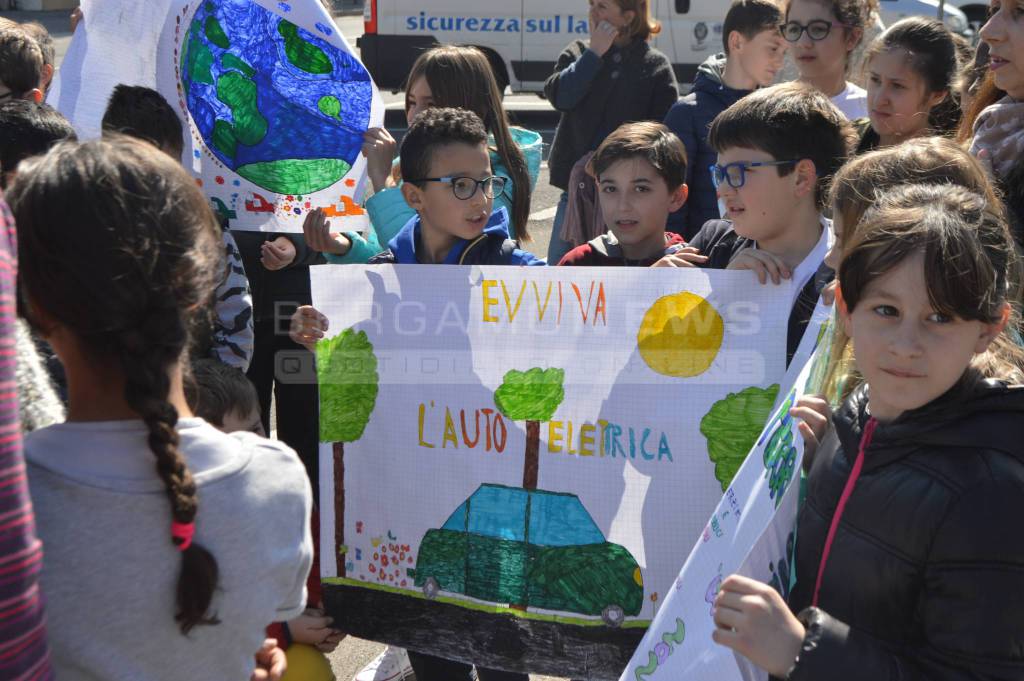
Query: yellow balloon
(680, 335)
(306, 663)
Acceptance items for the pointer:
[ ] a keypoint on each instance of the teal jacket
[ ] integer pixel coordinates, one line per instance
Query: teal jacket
(389, 212)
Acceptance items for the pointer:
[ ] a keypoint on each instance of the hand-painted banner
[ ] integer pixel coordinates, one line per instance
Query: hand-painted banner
(751, 532)
(517, 460)
(273, 101)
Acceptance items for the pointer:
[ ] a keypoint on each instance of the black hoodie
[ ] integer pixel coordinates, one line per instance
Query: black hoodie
(925, 578)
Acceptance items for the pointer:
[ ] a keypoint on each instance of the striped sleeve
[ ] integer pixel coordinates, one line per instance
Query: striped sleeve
(24, 654)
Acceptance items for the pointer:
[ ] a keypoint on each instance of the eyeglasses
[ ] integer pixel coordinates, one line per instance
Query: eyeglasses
(465, 187)
(816, 30)
(735, 174)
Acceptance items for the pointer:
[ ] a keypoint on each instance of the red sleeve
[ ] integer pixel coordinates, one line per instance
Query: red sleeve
(579, 257)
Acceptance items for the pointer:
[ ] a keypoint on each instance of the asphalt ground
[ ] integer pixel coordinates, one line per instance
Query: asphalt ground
(528, 110)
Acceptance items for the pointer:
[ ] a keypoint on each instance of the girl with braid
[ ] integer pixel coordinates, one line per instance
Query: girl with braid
(169, 545)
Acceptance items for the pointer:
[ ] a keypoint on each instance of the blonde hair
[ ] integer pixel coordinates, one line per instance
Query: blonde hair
(923, 160)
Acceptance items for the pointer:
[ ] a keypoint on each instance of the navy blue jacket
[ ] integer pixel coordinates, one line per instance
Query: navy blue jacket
(493, 247)
(689, 118)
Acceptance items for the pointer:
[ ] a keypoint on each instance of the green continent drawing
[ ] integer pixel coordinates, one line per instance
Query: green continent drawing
(732, 426)
(347, 375)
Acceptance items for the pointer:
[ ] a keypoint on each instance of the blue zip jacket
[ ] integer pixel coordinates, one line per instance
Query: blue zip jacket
(690, 118)
(492, 247)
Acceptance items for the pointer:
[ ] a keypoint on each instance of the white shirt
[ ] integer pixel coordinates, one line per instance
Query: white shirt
(853, 102)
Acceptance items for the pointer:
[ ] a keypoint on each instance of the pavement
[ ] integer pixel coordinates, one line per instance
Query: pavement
(529, 109)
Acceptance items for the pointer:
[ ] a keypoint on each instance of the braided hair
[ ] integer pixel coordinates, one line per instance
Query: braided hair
(125, 273)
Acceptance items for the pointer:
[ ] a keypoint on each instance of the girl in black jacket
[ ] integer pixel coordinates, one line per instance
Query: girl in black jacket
(909, 563)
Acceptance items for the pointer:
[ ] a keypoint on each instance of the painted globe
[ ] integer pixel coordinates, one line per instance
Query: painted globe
(273, 102)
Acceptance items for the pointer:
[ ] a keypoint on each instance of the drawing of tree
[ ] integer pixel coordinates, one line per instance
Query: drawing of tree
(531, 396)
(732, 425)
(347, 376)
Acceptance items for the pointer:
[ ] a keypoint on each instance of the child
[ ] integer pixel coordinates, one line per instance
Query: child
(113, 286)
(28, 129)
(143, 113)
(640, 170)
(776, 150)
(904, 570)
(222, 396)
(754, 51)
(48, 50)
(823, 34)
(448, 181)
(912, 69)
(597, 85)
(446, 76)
(21, 65)
(925, 160)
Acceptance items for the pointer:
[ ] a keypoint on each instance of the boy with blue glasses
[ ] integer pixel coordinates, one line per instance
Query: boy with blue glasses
(776, 150)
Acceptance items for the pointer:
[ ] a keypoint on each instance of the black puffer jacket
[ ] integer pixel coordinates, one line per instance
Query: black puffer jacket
(925, 579)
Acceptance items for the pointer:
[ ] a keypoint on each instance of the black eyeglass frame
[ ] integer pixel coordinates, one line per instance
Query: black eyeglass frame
(497, 183)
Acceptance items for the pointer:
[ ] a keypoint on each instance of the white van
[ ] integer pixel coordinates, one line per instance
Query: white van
(523, 38)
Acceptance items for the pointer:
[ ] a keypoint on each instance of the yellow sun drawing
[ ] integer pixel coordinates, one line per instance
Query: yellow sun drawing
(680, 335)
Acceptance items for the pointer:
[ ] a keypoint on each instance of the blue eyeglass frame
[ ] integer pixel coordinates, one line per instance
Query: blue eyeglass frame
(720, 173)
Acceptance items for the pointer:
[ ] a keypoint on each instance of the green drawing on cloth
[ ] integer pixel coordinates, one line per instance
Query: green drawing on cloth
(732, 425)
(530, 548)
(532, 396)
(347, 375)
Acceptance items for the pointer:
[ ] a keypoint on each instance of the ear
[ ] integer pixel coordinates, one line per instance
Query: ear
(629, 16)
(936, 98)
(989, 332)
(736, 42)
(806, 177)
(34, 95)
(47, 75)
(678, 198)
(413, 196)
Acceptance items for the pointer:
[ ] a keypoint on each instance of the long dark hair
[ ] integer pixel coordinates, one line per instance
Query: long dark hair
(934, 56)
(125, 272)
(462, 78)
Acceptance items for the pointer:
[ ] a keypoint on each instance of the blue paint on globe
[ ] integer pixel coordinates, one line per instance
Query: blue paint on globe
(272, 101)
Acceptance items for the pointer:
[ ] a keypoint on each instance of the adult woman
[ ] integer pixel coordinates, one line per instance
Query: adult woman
(598, 85)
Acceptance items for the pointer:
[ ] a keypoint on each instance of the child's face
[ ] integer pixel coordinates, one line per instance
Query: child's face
(898, 97)
(440, 210)
(909, 353)
(635, 203)
(762, 56)
(234, 421)
(823, 58)
(765, 204)
(418, 99)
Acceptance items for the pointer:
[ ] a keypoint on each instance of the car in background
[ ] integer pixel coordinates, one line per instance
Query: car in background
(530, 548)
(956, 20)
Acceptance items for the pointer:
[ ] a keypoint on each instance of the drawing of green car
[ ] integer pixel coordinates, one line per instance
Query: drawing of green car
(530, 548)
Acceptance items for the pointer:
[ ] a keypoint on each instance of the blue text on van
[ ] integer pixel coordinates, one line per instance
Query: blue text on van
(556, 24)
